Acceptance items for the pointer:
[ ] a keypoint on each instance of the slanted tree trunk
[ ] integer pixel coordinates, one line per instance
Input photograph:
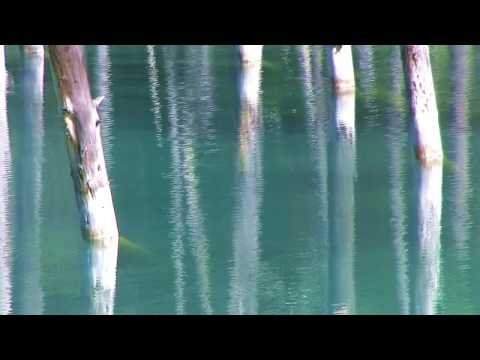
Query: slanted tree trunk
(82, 124)
(343, 73)
(423, 104)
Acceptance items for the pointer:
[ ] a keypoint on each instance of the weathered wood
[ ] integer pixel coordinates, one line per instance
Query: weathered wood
(343, 72)
(423, 104)
(33, 49)
(82, 123)
(251, 54)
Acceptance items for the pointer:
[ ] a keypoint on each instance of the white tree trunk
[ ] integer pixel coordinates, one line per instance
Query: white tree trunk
(423, 104)
(343, 71)
(251, 54)
(34, 50)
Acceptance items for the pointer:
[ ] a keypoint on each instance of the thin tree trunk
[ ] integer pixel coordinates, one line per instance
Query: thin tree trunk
(423, 104)
(343, 71)
(251, 54)
(84, 144)
(33, 49)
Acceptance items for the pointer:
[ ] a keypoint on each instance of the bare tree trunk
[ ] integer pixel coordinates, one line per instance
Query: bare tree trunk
(251, 54)
(89, 173)
(33, 49)
(421, 89)
(343, 71)
(84, 144)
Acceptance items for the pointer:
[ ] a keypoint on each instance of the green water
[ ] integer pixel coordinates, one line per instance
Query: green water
(297, 221)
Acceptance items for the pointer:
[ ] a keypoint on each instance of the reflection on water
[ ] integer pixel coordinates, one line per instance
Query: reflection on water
(315, 93)
(243, 288)
(103, 88)
(367, 87)
(177, 183)
(5, 173)
(102, 271)
(397, 139)
(182, 109)
(342, 202)
(29, 179)
(249, 195)
(154, 91)
(429, 208)
(460, 133)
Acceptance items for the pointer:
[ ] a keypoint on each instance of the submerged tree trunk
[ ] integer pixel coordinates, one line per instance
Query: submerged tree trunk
(84, 144)
(342, 63)
(421, 91)
(89, 173)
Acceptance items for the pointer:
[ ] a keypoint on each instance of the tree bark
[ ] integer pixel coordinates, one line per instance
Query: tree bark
(82, 123)
(343, 73)
(423, 104)
(251, 54)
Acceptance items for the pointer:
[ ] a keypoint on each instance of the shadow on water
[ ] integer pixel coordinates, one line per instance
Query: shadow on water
(29, 180)
(5, 197)
(244, 273)
(397, 135)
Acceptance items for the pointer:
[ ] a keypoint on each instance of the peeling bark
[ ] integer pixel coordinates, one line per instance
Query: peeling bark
(87, 162)
(423, 104)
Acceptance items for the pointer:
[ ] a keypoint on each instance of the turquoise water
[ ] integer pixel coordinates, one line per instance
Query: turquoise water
(286, 217)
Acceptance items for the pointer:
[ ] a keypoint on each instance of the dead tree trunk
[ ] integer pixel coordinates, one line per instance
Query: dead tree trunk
(343, 72)
(421, 91)
(82, 123)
